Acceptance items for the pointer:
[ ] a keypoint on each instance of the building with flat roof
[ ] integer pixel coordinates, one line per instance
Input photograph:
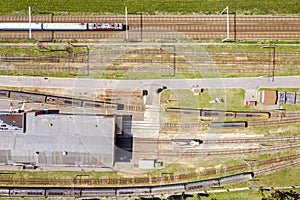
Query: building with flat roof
(268, 97)
(47, 138)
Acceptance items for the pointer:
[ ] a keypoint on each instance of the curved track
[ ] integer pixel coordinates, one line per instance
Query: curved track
(244, 27)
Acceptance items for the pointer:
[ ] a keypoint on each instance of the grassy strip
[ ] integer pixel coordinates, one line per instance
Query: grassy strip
(134, 75)
(32, 51)
(277, 130)
(233, 99)
(152, 6)
(57, 174)
(57, 50)
(239, 195)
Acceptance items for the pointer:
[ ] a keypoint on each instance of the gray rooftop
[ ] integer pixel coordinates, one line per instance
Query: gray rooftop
(61, 140)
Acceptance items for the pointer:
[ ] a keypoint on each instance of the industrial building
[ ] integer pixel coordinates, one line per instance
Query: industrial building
(46, 138)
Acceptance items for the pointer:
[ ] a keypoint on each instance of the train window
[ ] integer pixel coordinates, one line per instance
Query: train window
(126, 192)
(34, 193)
(55, 193)
(68, 101)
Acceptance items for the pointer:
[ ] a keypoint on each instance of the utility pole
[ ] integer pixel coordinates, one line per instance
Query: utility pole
(141, 23)
(29, 19)
(227, 22)
(141, 26)
(126, 23)
(174, 61)
(272, 60)
(234, 25)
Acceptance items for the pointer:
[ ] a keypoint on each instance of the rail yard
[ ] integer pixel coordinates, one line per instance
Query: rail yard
(147, 105)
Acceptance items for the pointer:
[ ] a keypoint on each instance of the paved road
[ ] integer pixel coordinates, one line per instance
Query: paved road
(92, 84)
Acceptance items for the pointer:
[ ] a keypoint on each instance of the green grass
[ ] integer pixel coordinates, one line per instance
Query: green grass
(36, 73)
(31, 51)
(233, 99)
(291, 107)
(286, 177)
(152, 6)
(173, 169)
(240, 195)
(134, 75)
(57, 174)
(274, 131)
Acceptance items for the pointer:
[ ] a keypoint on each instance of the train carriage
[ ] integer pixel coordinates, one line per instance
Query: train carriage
(97, 193)
(63, 100)
(21, 26)
(4, 93)
(252, 115)
(168, 189)
(27, 192)
(219, 125)
(135, 191)
(202, 184)
(236, 178)
(62, 26)
(106, 26)
(4, 192)
(28, 96)
(60, 192)
(65, 26)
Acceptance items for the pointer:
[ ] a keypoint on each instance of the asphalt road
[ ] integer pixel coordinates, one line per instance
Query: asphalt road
(93, 84)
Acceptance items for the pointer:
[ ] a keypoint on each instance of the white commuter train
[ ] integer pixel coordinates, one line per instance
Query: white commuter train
(62, 26)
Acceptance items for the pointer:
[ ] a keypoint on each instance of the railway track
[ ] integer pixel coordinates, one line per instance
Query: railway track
(275, 122)
(8, 179)
(225, 141)
(249, 124)
(226, 62)
(213, 152)
(276, 167)
(168, 26)
(285, 115)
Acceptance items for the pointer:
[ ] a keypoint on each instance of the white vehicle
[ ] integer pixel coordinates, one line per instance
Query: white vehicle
(65, 26)
(20, 26)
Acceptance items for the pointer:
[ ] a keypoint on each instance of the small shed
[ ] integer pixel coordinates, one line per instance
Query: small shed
(268, 97)
(147, 164)
(197, 91)
(287, 98)
(150, 164)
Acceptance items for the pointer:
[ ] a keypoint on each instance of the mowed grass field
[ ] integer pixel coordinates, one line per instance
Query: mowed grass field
(151, 6)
